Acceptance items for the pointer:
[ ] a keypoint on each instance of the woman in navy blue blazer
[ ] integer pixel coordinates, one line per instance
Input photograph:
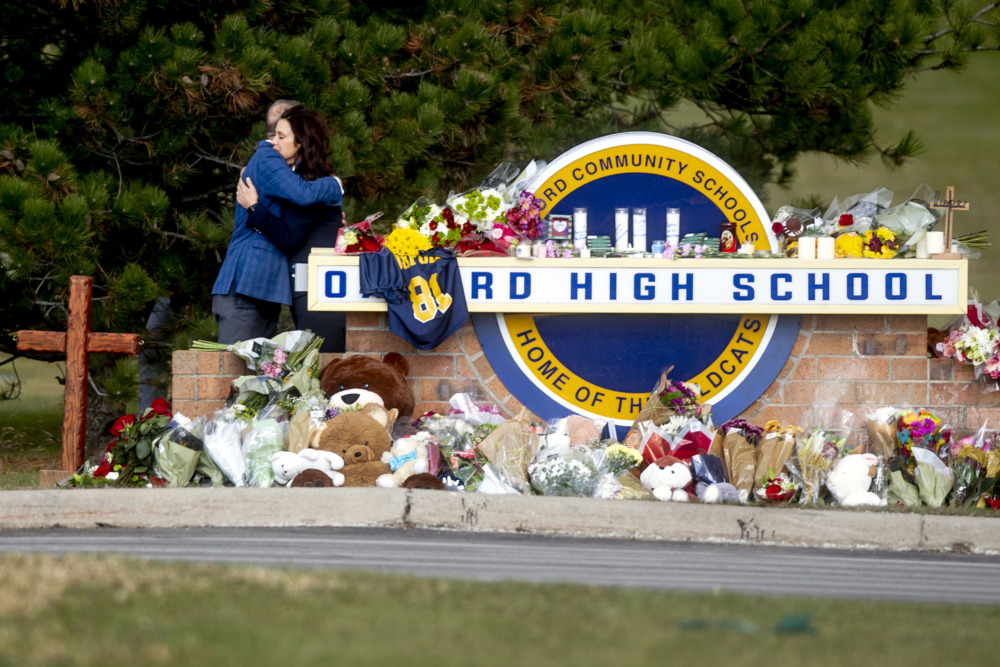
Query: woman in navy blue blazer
(253, 281)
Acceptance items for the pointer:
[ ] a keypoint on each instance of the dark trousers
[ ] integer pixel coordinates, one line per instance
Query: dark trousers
(242, 318)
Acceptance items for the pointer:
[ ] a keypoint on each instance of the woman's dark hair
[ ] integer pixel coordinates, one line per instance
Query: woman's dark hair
(309, 128)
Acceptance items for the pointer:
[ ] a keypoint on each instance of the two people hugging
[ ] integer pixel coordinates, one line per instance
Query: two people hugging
(288, 202)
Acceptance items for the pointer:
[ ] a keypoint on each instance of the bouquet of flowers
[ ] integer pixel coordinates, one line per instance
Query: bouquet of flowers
(455, 439)
(180, 458)
(815, 456)
(128, 460)
(572, 473)
(525, 215)
(880, 243)
(481, 207)
(439, 225)
(774, 448)
(780, 488)
(358, 238)
(682, 436)
(850, 244)
(406, 242)
(737, 441)
(920, 429)
(967, 458)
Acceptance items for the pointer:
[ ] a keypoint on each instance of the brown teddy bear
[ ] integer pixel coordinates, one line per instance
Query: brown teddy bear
(360, 437)
(359, 380)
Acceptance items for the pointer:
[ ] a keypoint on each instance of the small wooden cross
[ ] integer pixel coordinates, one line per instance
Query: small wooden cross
(77, 342)
(949, 206)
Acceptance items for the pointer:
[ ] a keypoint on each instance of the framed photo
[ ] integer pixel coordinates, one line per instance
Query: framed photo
(560, 226)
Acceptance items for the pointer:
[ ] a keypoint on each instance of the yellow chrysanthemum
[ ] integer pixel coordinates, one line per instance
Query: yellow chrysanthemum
(406, 242)
(849, 245)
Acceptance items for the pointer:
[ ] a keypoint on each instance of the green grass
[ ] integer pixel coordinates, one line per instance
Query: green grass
(31, 424)
(108, 610)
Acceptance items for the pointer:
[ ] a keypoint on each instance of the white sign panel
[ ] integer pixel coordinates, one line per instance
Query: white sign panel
(683, 286)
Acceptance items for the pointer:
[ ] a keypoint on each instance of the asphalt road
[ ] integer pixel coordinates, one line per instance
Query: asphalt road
(878, 575)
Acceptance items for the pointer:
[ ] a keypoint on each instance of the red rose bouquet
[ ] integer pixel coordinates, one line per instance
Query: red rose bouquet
(128, 460)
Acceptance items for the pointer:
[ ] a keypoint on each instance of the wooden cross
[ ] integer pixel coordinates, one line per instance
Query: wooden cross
(77, 342)
(949, 206)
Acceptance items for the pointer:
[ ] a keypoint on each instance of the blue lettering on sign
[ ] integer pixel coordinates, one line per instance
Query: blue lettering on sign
(482, 281)
(676, 286)
(854, 293)
(328, 290)
(644, 292)
(744, 282)
(613, 286)
(895, 286)
(520, 285)
(816, 285)
(576, 285)
(929, 288)
(782, 296)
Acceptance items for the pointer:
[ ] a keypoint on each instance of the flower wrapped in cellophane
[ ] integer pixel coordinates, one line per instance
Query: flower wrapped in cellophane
(968, 457)
(461, 464)
(920, 429)
(559, 472)
(268, 435)
(815, 455)
(736, 443)
(775, 447)
(668, 399)
(777, 488)
(358, 238)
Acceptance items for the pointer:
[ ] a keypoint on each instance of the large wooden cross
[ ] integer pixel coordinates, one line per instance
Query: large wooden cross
(949, 206)
(77, 342)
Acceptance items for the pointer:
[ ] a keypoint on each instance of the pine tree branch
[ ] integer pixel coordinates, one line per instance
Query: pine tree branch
(204, 155)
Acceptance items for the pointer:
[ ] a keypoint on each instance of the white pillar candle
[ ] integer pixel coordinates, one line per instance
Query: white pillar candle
(673, 226)
(539, 250)
(584, 252)
(580, 228)
(922, 248)
(825, 247)
(807, 247)
(621, 229)
(639, 229)
(935, 242)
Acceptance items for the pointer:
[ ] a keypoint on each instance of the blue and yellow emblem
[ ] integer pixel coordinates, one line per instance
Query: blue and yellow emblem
(605, 365)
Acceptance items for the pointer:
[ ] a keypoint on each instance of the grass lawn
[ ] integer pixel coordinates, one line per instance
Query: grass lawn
(109, 610)
(31, 424)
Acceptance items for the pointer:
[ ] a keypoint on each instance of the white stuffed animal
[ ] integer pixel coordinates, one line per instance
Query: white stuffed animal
(850, 479)
(406, 457)
(287, 465)
(666, 478)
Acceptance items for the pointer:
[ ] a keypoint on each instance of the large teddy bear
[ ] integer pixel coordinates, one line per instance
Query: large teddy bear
(359, 380)
(360, 437)
(407, 457)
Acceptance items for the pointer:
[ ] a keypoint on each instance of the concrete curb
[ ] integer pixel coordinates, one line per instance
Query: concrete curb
(578, 517)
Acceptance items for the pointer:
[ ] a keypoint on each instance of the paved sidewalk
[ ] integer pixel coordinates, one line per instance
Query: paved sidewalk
(694, 522)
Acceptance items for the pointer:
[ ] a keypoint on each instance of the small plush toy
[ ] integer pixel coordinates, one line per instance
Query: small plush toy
(360, 437)
(666, 477)
(850, 479)
(287, 465)
(720, 492)
(424, 480)
(312, 478)
(407, 457)
(359, 380)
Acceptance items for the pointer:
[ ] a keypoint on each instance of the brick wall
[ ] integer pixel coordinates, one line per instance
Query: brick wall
(840, 364)
(202, 379)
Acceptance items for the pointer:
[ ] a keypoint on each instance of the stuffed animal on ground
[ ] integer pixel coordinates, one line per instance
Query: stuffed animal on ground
(407, 457)
(850, 480)
(287, 466)
(424, 480)
(720, 492)
(359, 380)
(360, 437)
(667, 478)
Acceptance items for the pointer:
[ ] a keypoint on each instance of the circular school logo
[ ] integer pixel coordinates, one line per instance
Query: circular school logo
(604, 365)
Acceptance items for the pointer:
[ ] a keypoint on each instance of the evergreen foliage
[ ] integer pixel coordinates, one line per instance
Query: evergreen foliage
(125, 122)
